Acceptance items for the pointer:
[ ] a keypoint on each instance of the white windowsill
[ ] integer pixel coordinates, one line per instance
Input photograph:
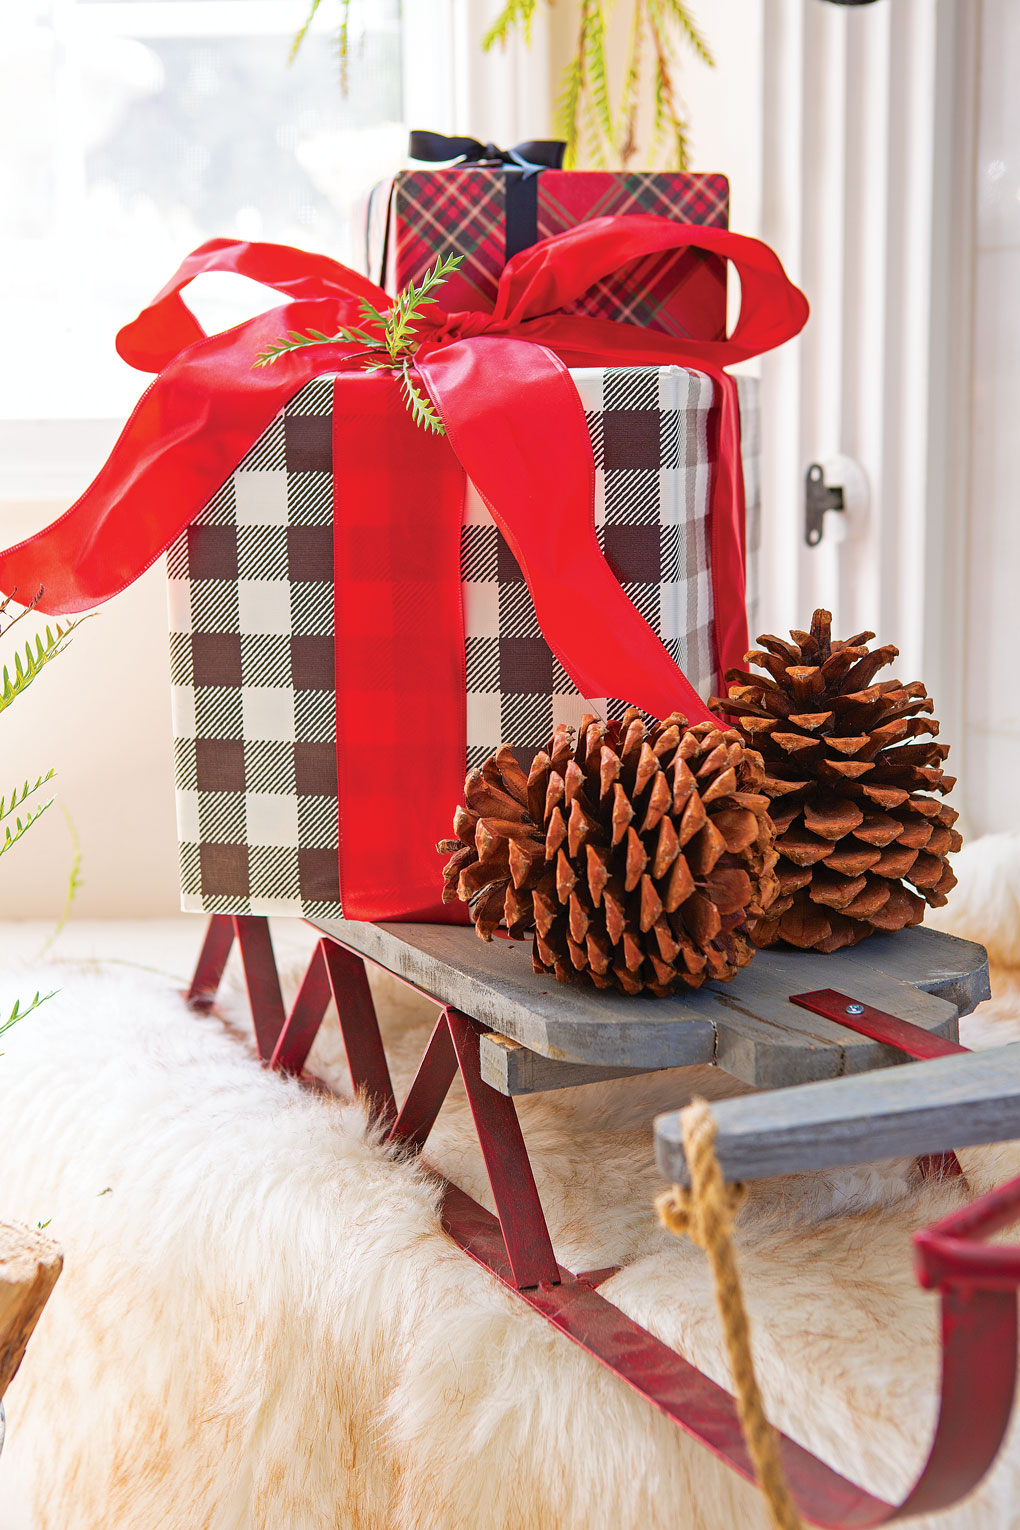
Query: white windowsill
(47, 461)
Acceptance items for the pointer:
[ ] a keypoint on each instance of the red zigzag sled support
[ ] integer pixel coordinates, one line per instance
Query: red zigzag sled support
(977, 1284)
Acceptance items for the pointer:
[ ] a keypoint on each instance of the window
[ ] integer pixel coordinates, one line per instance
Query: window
(131, 131)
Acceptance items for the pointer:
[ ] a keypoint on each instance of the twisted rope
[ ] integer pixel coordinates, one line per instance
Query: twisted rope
(705, 1214)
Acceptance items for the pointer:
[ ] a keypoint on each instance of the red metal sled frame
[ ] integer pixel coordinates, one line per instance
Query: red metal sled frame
(977, 1285)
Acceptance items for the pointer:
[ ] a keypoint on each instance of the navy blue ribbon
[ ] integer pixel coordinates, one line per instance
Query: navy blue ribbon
(533, 155)
(522, 166)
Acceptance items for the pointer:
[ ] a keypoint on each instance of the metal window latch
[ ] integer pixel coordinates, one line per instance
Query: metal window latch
(818, 497)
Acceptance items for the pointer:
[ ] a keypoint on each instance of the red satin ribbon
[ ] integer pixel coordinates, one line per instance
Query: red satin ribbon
(512, 417)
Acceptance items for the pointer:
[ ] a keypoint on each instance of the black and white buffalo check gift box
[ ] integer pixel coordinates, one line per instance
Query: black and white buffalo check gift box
(252, 626)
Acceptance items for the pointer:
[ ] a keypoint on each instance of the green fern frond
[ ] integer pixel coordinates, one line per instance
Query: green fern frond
(36, 660)
(594, 137)
(682, 145)
(342, 45)
(302, 33)
(516, 13)
(17, 1013)
(631, 84)
(584, 106)
(418, 402)
(18, 796)
(597, 70)
(341, 38)
(687, 25)
(74, 882)
(568, 104)
(21, 827)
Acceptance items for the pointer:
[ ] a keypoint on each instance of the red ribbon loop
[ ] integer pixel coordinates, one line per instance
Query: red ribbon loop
(166, 327)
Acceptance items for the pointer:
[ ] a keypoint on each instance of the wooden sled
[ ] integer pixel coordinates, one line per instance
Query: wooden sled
(819, 1036)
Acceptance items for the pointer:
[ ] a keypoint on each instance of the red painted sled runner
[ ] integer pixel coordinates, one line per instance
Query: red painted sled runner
(508, 1033)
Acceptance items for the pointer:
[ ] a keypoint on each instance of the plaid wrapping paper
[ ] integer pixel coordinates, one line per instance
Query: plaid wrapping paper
(251, 627)
(422, 214)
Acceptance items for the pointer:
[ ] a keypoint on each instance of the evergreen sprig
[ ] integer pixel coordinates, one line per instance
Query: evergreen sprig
(389, 339)
(422, 409)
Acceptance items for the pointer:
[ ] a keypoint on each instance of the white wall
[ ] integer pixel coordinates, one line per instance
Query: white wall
(99, 714)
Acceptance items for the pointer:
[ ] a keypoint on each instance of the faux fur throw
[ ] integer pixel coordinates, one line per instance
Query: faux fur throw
(261, 1325)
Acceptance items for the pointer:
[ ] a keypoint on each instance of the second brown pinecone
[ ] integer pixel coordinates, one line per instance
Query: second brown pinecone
(634, 854)
(850, 791)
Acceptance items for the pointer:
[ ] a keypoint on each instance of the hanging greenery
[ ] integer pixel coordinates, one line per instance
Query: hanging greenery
(597, 131)
(341, 37)
(604, 135)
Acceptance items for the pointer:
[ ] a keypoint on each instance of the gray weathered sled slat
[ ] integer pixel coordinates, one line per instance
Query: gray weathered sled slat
(513, 1069)
(748, 1027)
(932, 961)
(923, 1107)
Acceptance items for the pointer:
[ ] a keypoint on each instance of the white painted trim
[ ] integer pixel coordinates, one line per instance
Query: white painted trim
(199, 18)
(450, 85)
(951, 321)
(428, 30)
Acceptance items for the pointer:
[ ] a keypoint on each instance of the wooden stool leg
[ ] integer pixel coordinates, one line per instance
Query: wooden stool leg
(528, 1245)
(212, 959)
(261, 980)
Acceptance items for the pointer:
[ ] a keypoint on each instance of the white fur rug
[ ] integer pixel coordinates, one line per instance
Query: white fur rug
(261, 1326)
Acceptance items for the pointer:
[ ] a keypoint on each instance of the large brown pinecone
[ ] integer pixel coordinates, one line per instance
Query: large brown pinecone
(850, 797)
(635, 854)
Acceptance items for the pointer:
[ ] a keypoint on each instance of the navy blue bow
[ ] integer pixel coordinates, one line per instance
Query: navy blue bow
(533, 155)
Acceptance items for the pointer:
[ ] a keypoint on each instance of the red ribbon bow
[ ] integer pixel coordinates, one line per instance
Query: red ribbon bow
(515, 423)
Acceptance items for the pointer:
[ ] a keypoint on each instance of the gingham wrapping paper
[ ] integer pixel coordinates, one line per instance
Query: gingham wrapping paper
(251, 672)
(462, 211)
(251, 628)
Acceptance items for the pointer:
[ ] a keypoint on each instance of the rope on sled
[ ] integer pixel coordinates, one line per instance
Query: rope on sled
(705, 1214)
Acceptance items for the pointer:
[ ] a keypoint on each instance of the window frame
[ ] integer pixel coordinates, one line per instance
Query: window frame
(449, 85)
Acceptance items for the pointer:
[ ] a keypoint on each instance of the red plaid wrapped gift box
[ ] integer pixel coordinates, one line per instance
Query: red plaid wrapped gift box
(422, 214)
